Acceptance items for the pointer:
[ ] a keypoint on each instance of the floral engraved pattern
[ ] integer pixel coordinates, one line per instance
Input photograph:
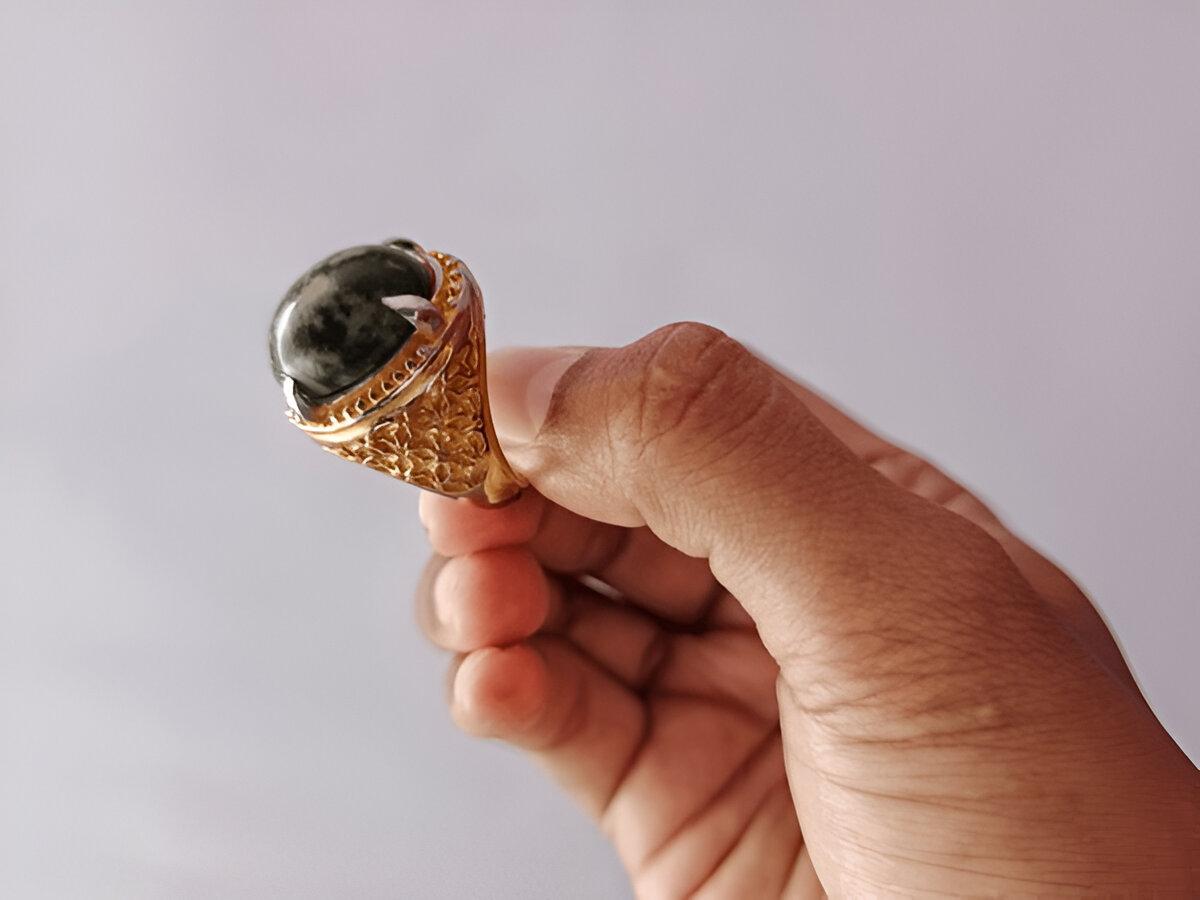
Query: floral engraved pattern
(438, 440)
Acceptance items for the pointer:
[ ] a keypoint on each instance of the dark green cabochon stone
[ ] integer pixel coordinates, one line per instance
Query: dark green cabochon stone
(333, 329)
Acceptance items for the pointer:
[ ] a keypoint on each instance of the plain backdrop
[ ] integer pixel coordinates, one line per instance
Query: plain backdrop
(974, 224)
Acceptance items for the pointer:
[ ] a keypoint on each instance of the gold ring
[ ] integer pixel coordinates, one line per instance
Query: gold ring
(380, 353)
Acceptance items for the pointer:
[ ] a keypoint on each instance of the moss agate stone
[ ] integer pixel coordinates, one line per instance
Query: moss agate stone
(343, 318)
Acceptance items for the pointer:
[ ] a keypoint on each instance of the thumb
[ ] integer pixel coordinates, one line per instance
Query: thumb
(688, 432)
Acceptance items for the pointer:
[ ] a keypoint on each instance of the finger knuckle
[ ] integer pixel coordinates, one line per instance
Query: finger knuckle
(692, 373)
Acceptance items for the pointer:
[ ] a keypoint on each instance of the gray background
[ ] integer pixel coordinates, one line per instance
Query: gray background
(975, 224)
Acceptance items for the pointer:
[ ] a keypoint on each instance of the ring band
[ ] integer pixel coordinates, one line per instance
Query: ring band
(422, 416)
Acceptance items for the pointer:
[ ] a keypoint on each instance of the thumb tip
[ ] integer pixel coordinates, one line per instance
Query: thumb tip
(520, 385)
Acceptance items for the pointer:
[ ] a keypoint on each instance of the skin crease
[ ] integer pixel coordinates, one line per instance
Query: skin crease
(774, 655)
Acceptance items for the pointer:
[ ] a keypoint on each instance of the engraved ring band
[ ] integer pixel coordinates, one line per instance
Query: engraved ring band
(380, 353)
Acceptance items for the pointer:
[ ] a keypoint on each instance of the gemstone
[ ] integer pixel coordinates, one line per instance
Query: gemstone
(348, 315)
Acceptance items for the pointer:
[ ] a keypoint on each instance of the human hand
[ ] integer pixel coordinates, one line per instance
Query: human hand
(812, 661)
